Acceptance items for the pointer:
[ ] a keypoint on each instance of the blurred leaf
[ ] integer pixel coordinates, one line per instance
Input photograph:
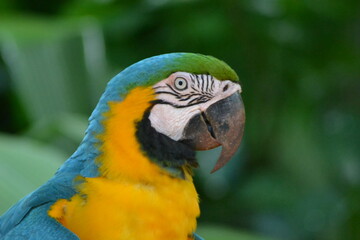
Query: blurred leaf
(72, 126)
(213, 232)
(64, 132)
(57, 66)
(25, 164)
(268, 192)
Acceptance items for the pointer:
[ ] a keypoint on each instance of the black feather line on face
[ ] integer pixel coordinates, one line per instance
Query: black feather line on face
(182, 97)
(202, 82)
(198, 81)
(212, 83)
(188, 96)
(170, 93)
(206, 82)
(192, 78)
(164, 151)
(198, 100)
(173, 89)
(201, 94)
(177, 106)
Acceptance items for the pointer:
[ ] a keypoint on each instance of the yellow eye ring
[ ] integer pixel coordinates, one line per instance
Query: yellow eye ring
(180, 83)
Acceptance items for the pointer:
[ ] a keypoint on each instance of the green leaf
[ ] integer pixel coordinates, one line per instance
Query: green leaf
(213, 232)
(25, 164)
(56, 66)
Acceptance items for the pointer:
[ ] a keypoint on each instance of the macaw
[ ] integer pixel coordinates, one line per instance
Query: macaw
(131, 176)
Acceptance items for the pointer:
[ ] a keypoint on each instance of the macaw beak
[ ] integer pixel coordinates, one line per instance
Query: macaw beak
(222, 123)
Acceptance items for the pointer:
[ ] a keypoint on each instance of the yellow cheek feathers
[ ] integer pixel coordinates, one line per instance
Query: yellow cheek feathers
(121, 153)
(133, 198)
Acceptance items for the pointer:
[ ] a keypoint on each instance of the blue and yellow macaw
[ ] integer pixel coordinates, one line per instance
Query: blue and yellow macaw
(131, 177)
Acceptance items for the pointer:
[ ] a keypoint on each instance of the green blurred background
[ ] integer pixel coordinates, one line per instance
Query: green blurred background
(297, 174)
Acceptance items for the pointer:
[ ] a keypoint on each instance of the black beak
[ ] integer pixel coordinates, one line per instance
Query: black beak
(221, 124)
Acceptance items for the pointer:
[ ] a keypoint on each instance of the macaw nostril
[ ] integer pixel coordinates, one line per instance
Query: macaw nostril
(226, 87)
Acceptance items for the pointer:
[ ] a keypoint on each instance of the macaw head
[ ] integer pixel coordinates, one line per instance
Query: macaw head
(176, 104)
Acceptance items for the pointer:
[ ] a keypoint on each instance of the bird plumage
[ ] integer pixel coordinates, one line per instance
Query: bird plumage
(108, 155)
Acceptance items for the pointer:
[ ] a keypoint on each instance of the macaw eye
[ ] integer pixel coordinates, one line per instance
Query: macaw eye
(180, 83)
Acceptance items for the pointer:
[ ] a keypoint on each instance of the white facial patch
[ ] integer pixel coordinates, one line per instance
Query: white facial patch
(183, 95)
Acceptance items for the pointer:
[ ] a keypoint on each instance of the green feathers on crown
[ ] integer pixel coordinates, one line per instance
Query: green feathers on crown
(203, 64)
(151, 70)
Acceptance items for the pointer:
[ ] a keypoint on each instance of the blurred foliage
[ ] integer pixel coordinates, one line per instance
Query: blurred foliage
(213, 232)
(25, 165)
(297, 175)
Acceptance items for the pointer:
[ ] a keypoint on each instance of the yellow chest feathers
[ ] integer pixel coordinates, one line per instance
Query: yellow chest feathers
(115, 210)
(132, 198)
